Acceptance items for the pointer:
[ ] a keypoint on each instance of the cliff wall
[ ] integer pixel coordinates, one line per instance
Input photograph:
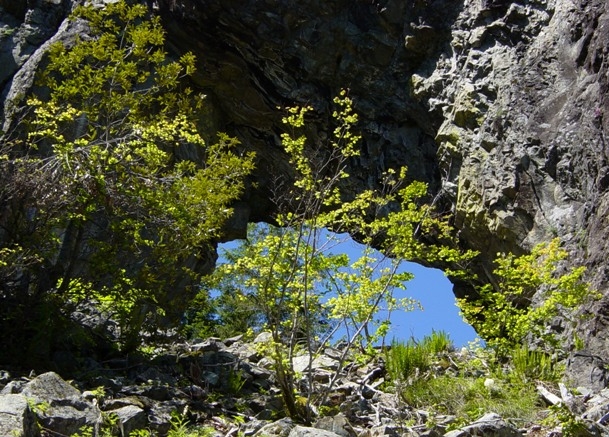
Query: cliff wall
(500, 106)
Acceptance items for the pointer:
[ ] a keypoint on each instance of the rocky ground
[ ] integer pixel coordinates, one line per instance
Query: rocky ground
(226, 388)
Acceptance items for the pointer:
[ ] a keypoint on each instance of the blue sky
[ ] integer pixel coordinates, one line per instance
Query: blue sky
(430, 287)
(434, 291)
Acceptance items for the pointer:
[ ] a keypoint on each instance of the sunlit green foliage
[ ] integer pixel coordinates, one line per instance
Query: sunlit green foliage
(263, 280)
(180, 427)
(288, 281)
(117, 121)
(570, 424)
(124, 216)
(362, 291)
(505, 315)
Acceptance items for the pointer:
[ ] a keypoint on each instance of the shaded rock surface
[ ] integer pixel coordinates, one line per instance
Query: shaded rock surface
(500, 106)
(497, 105)
(59, 407)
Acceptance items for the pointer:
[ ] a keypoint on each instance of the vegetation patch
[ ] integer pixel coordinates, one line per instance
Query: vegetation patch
(467, 384)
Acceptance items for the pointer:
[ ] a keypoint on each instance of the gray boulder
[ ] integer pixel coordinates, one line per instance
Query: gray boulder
(159, 415)
(280, 428)
(337, 424)
(588, 370)
(130, 418)
(16, 417)
(489, 425)
(302, 363)
(598, 408)
(304, 431)
(59, 407)
(383, 431)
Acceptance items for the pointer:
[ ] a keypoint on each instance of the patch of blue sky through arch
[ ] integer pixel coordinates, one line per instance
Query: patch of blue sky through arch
(430, 287)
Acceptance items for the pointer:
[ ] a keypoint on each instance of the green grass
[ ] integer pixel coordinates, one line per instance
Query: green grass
(531, 365)
(406, 360)
(437, 342)
(180, 427)
(469, 398)
(475, 384)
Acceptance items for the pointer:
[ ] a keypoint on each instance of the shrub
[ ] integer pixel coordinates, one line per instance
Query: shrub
(106, 215)
(504, 314)
(300, 291)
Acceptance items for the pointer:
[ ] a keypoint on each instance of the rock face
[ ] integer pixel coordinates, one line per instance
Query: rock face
(500, 106)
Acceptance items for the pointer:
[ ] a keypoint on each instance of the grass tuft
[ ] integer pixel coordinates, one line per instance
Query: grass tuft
(532, 365)
(410, 359)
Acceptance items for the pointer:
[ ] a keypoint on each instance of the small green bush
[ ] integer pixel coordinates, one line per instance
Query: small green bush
(570, 424)
(180, 427)
(503, 314)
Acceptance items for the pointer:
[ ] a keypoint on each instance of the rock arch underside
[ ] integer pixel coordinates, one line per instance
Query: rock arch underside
(499, 106)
